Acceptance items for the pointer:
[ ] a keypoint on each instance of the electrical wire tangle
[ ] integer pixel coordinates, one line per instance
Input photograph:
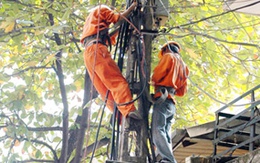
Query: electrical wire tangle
(139, 48)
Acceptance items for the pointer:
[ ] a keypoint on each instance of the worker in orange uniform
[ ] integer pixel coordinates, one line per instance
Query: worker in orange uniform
(103, 70)
(170, 79)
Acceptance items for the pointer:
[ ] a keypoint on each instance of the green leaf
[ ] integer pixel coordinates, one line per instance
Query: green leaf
(38, 154)
(66, 14)
(57, 139)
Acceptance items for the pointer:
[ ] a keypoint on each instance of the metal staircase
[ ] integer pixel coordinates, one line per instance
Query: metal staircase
(238, 130)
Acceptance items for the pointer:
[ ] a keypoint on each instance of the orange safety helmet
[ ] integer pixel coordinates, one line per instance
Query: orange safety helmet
(160, 54)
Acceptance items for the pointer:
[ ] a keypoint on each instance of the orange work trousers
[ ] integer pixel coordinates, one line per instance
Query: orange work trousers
(106, 75)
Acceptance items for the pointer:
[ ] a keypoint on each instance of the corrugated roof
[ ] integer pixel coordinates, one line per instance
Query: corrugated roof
(198, 141)
(247, 6)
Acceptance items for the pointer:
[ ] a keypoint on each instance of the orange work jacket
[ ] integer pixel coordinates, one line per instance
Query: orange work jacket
(102, 69)
(171, 71)
(99, 19)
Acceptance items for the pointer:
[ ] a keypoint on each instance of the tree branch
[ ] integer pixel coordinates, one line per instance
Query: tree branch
(42, 143)
(102, 142)
(30, 68)
(84, 119)
(75, 41)
(34, 160)
(213, 16)
(220, 40)
(57, 128)
(65, 115)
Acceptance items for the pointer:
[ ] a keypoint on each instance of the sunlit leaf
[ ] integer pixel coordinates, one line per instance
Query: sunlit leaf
(191, 53)
(9, 27)
(17, 143)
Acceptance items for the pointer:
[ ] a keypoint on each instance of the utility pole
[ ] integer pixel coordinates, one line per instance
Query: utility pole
(139, 53)
(134, 143)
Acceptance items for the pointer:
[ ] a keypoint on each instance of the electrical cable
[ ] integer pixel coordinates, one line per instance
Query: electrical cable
(112, 154)
(99, 125)
(141, 65)
(121, 44)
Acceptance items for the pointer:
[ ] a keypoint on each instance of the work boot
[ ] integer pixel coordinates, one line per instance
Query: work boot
(135, 115)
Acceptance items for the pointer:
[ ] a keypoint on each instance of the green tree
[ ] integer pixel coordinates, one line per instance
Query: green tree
(42, 73)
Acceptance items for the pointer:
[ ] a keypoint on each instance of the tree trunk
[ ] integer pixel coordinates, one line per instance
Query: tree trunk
(89, 93)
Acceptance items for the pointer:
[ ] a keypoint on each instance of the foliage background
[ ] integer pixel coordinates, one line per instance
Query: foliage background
(220, 48)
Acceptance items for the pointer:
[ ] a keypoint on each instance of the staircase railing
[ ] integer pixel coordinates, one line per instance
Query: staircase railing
(237, 131)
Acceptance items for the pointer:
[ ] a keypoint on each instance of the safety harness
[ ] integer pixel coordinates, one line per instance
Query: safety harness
(165, 92)
(103, 38)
